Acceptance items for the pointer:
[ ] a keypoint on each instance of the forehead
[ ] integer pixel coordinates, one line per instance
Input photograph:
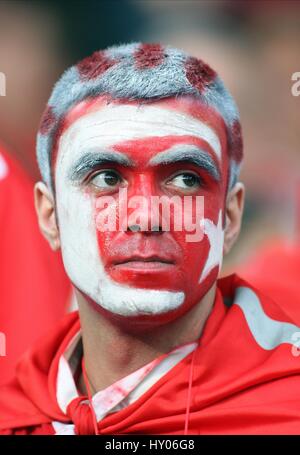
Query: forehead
(127, 126)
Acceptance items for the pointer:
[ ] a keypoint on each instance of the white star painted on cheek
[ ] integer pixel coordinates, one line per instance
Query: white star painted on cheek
(215, 234)
(3, 168)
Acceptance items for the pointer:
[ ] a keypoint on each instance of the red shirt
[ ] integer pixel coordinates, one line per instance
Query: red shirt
(242, 378)
(275, 270)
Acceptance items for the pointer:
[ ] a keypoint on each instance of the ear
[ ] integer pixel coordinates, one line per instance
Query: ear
(234, 213)
(45, 209)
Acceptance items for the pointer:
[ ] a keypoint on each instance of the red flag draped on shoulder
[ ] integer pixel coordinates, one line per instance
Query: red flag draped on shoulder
(245, 379)
(275, 270)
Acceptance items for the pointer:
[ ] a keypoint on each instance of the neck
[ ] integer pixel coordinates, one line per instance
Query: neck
(112, 351)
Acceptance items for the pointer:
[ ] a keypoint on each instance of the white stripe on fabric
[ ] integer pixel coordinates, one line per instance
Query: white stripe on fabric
(152, 377)
(63, 428)
(267, 332)
(66, 389)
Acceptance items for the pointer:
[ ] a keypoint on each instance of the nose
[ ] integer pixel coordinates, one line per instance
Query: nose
(143, 217)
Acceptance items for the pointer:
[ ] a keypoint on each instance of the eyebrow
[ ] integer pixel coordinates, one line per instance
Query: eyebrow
(191, 154)
(91, 160)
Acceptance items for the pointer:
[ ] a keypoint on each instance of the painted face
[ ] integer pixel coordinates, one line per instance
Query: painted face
(108, 155)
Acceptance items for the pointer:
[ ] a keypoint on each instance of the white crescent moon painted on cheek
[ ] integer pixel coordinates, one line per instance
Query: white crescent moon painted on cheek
(215, 234)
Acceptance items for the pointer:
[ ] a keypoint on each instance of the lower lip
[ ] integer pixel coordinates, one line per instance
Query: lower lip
(144, 266)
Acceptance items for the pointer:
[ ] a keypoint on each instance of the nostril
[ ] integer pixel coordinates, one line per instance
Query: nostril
(137, 228)
(134, 228)
(156, 229)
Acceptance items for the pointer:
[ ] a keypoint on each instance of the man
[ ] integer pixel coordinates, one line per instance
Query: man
(30, 273)
(159, 346)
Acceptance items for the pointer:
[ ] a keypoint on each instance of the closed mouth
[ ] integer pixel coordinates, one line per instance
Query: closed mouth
(144, 260)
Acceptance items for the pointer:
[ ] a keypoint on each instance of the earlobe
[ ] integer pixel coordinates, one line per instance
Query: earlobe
(234, 213)
(45, 209)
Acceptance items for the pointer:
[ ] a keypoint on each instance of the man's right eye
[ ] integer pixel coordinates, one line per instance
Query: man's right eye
(106, 179)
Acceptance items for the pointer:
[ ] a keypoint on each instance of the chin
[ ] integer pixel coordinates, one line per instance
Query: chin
(136, 307)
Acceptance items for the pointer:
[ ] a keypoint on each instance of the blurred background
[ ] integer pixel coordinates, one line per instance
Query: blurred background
(254, 45)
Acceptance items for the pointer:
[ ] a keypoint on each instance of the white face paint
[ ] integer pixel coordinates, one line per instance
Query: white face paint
(115, 123)
(215, 234)
(103, 128)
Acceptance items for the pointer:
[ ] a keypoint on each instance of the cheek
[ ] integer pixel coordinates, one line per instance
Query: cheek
(105, 240)
(212, 206)
(194, 257)
(106, 222)
(200, 257)
(215, 199)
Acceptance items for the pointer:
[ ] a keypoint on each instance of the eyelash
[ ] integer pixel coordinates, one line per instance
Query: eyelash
(93, 174)
(187, 172)
(87, 180)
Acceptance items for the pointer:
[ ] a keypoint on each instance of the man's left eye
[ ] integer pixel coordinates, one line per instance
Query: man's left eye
(185, 180)
(106, 179)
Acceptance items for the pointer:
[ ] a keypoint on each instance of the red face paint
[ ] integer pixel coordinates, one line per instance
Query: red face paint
(162, 260)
